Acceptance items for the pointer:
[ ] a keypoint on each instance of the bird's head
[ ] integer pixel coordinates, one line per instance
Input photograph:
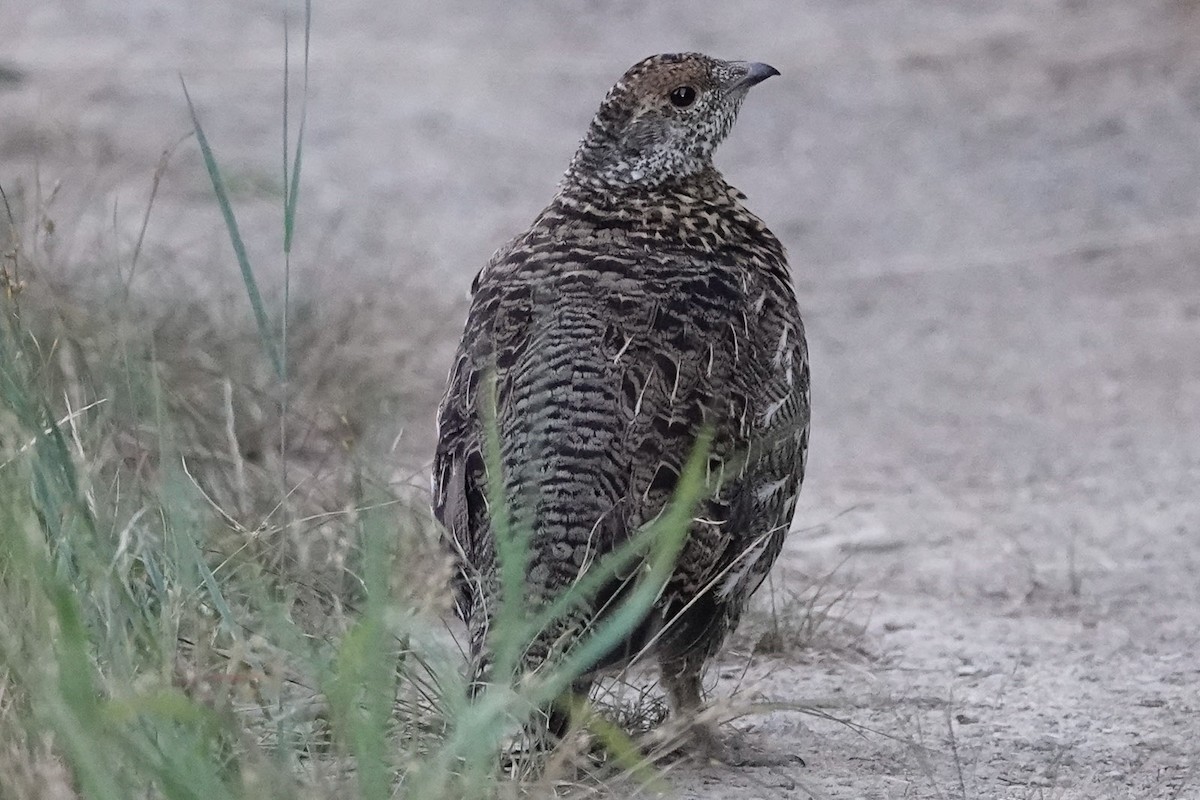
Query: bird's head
(663, 119)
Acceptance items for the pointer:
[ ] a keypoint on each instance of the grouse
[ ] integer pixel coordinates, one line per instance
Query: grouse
(643, 306)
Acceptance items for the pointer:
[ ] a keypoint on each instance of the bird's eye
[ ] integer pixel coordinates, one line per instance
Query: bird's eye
(682, 96)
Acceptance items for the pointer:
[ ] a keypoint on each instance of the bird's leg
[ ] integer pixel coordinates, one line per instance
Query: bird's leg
(682, 680)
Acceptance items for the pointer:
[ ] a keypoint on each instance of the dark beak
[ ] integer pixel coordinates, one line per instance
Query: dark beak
(755, 73)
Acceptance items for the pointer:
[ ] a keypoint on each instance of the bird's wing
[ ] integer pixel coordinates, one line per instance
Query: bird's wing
(732, 359)
(762, 496)
(493, 333)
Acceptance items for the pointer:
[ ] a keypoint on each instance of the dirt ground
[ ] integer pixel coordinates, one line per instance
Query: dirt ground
(993, 213)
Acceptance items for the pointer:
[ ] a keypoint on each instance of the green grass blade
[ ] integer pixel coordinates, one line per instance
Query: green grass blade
(658, 544)
(292, 176)
(213, 587)
(287, 71)
(362, 689)
(235, 238)
(667, 535)
(76, 715)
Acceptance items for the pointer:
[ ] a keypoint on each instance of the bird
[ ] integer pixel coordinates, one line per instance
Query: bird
(644, 306)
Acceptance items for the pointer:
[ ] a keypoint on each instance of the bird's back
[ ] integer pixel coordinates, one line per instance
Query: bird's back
(617, 328)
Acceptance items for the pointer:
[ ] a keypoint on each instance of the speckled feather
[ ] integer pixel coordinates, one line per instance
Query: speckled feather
(643, 303)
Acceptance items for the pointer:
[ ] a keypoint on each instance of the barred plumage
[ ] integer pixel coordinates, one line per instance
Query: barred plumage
(644, 303)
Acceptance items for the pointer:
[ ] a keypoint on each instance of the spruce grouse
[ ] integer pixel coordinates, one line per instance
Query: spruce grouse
(642, 306)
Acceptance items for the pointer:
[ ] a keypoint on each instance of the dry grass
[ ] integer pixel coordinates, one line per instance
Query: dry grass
(207, 522)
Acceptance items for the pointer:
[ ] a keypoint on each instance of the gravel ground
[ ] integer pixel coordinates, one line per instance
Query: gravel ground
(992, 212)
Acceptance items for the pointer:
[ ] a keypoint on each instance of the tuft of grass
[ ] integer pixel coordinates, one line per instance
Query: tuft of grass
(816, 617)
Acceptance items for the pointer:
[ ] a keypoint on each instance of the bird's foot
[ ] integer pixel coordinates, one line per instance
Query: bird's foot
(707, 746)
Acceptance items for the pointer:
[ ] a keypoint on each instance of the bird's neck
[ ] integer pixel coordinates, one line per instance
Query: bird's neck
(587, 191)
(701, 212)
(610, 169)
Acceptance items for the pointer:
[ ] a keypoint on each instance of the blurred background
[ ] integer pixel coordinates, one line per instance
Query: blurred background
(992, 211)
(903, 137)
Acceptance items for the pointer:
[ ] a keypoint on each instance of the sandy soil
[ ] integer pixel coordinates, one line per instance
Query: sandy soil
(992, 211)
